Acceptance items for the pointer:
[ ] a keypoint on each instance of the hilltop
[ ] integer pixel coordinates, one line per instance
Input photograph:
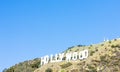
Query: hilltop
(103, 57)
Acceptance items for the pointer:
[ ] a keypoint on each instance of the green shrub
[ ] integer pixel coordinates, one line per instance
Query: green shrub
(118, 45)
(74, 70)
(11, 69)
(80, 45)
(64, 58)
(26, 66)
(62, 70)
(114, 46)
(76, 50)
(92, 69)
(110, 42)
(91, 45)
(66, 65)
(102, 44)
(96, 49)
(36, 64)
(91, 53)
(102, 58)
(70, 47)
(48, 70)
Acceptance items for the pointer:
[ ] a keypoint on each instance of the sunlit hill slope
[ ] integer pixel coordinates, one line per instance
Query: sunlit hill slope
(103, 57)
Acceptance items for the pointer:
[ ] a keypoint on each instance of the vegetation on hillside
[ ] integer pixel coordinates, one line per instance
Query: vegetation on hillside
(26, 66)
(103, 57)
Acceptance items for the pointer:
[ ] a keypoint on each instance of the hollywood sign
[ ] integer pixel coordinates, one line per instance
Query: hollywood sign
(64, 57)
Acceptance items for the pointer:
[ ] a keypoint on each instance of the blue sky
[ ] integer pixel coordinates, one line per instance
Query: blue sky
(34, 28)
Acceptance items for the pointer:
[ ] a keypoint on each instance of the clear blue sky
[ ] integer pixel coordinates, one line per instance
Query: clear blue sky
(34, 28)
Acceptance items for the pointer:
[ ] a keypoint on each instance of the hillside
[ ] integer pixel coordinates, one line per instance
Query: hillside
(103, 57)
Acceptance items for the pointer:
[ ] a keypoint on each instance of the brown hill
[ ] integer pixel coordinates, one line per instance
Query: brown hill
(103, 57)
